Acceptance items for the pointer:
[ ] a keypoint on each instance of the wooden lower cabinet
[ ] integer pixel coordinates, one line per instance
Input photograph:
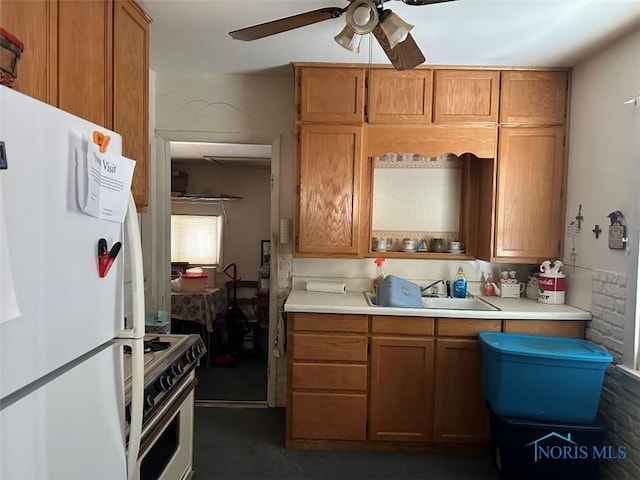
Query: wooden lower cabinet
(401, 392)
(460, 412)
(328, 416)
(393, 383)
(461, 415)
(556, 328)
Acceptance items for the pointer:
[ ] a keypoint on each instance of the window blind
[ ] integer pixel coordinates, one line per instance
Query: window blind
(196, 239)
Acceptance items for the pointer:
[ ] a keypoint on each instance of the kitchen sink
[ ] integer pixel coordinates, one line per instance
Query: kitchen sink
(444, 303)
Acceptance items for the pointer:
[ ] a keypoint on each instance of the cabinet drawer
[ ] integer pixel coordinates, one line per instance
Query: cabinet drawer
(308, 346)
(329, 416)
(559, 328)
(463, 327)
(329, 376)
(402, 325)
(329, 322)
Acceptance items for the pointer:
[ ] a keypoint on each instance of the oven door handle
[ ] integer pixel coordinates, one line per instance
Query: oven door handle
(137, 399)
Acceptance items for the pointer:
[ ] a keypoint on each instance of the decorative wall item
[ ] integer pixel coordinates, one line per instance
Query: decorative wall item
(617, 231)
(573, 229)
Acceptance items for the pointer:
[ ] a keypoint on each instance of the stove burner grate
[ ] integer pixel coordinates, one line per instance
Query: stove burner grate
(150, 346)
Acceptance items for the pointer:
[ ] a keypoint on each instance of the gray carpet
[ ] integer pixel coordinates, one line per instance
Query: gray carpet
(248, 444)
(247, 381)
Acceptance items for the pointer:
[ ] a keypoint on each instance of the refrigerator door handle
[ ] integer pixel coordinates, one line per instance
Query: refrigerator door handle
(134, 249)
(137, 398)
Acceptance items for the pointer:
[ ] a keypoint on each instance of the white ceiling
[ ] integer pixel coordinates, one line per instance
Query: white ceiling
(191, 36)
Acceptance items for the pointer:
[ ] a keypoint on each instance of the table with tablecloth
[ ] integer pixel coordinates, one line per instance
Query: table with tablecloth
(199, 307)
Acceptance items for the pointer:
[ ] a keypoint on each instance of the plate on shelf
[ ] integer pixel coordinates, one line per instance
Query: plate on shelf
(408, 250)
(455, 251)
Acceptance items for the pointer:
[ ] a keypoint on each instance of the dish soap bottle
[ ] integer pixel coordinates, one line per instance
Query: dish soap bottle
(460, 284)
(379, 274)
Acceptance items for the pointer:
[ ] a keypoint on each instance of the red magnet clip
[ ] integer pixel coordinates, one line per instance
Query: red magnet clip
(106, 257)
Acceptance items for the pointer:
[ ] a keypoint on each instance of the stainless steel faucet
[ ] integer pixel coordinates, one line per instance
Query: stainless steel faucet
(447, 283)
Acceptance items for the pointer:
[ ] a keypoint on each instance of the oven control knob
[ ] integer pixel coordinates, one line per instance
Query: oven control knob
(149, 401)
(190, 355)
(177, 369)
(198, 349)
(165, 382)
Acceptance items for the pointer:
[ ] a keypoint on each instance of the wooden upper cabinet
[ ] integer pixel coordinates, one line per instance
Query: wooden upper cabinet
(329, 189)
(530, 97)
(529, 198)
(466, 96)
(84, 86)
(34, 24)
(400, 96)
(131, 91)
(331, 95)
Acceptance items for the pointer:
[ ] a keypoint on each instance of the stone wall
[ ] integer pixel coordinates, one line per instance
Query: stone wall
(620, 400)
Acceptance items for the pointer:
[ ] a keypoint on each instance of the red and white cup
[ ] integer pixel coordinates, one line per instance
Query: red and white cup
(551, 288)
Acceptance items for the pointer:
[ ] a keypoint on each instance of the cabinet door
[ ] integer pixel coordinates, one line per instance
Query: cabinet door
(131, 91)
(329, 190)
(529, 198)
(34, 24)
(533, 97)
(327, 416)
(84, 57)
(400, 96)
(461, 414)
(331, 95)
(466, 96)
(401, 391)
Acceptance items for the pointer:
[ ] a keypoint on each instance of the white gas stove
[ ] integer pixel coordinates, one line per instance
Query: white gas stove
(166, 446)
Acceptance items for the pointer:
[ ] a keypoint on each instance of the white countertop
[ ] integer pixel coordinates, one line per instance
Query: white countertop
(354, 302)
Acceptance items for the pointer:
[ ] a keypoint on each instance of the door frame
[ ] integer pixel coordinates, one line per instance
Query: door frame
(156, 228)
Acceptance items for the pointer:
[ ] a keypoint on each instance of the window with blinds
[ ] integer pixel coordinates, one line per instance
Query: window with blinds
(196, 239)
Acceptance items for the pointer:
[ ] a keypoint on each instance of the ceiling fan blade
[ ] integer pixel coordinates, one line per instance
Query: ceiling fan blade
(405, 56)
(424, 2)
(287, 23)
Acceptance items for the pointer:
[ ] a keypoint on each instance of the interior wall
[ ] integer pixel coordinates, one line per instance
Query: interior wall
(604, 174)
(248, 218)
(603, 169)
(236, 109)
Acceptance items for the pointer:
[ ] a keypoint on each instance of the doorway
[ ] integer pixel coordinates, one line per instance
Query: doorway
(237, 187)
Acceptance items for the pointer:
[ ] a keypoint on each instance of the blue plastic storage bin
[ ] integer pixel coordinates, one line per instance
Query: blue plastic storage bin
(397, 292)
(542, 378)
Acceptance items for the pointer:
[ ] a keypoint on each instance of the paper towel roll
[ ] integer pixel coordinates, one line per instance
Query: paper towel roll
(326, 287)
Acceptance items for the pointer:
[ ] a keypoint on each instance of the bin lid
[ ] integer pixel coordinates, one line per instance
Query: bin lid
(544, 346)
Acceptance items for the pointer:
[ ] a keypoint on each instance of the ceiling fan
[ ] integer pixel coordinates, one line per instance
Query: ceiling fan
(362, 17)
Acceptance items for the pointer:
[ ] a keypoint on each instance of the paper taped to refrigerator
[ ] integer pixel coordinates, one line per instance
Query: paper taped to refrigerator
(103, 183)
(8, 303)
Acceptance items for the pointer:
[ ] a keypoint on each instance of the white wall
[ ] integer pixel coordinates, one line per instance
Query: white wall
(603, 168)
(247, 219)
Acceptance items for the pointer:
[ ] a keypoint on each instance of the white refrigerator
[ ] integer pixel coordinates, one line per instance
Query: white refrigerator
(62, 326)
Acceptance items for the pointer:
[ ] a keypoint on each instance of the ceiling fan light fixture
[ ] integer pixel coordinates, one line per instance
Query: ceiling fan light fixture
(395, 28)
(358, 19)
(349, 39)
